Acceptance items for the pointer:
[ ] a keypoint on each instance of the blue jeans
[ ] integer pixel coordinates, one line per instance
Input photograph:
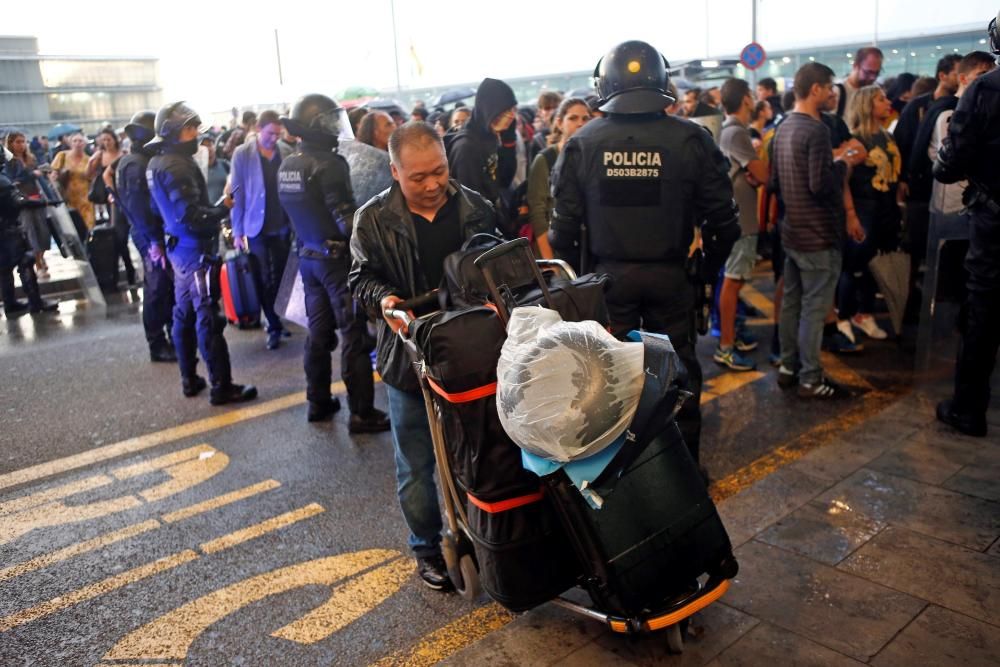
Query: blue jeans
(810, 282)
(418, 498)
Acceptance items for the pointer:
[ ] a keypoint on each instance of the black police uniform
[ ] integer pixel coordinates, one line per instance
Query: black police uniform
(147, 229)
(15, 252)
(641, 182)
(971, 151)
(314, 187)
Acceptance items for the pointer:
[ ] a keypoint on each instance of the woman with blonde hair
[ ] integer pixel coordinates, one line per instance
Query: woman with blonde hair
(572, 114)
(873, 186)
(69, 171)
(23, 171)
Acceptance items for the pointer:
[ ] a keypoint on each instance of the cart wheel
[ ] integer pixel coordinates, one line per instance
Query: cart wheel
(675, 640)
(470, 588)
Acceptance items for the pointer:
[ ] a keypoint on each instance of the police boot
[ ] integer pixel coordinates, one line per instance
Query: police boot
(192, 386)
(161, 351)
(373, 421)
(11, 306)
(232, 393)
(321, 411)
(963, 423)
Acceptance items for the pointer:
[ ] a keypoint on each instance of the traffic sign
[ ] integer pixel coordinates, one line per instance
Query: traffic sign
(753, 56)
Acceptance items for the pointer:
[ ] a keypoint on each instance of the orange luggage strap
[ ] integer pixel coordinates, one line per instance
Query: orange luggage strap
(509, 504)
(464, 396)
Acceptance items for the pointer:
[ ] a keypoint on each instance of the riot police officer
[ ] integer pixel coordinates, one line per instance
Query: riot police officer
(15, 252)
(314, 187)
(970, 152)
(147, 234)
(191, 226)
(639, 182)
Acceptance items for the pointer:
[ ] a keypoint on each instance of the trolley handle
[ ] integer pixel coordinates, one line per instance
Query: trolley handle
(405, 311)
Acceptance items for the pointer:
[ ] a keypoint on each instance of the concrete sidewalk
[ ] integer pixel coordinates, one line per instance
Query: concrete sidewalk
(879, 547)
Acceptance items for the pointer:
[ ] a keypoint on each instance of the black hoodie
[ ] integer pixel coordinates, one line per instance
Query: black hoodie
(476, 158)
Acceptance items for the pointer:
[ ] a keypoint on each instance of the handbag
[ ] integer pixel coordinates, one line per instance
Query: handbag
(98, 192)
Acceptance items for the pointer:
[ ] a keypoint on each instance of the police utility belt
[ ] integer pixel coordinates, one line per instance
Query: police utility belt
(329, 250)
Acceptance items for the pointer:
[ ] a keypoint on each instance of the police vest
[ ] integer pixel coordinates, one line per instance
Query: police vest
(307, 185)
(635, 174)
(175, 183)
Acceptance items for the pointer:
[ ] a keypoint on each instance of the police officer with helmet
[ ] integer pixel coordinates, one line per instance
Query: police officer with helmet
(314, 187)
(971, 152)
(639, 182)
(191, 225)
(147, 234)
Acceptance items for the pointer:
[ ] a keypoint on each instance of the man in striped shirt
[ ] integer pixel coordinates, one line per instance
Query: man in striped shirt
(811, 182)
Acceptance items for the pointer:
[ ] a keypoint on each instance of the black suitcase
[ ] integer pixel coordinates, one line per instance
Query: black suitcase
(524, 555)
(102, 250)
(240, 301)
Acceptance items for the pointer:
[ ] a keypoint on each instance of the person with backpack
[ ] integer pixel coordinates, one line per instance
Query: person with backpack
(572, 114)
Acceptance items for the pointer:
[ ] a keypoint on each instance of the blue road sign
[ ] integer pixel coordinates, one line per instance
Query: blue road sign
(753, 56)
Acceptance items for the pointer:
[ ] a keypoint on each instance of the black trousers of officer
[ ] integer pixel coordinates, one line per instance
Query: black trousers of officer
(157, 298)
(329, 307)
(198, 322)
(658, 298)
(271, 251)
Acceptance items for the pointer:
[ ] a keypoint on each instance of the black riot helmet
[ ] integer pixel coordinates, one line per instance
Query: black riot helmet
(140, 128)
(169, 121)
(318, 118)
(994, 31)
(632, 78)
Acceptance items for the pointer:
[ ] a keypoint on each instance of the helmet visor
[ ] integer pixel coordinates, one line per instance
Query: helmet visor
(335, 123)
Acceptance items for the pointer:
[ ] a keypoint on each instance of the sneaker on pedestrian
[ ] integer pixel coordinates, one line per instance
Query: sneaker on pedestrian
(374, 421)
(838, 343)
(869, 326)
(745, 341)
(787, 378)
(434, 572)
(825, 388)
(733, 360)
(844, 327)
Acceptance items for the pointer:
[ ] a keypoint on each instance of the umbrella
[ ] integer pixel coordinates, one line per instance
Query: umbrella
(63, 129)
(453, 95)
(891, 271)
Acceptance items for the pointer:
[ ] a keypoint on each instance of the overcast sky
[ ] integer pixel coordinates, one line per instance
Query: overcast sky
(216, 58)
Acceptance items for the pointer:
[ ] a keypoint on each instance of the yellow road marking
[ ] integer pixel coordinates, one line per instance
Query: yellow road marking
(220, 501)
(721, 385)
(450, 639)
(135, 529)
(143, 442)
(169, 637)
(262, 528)
(758, 301)
(186, 468)
(55, 493)
(94, 590)
(348, 603)
(79, 548)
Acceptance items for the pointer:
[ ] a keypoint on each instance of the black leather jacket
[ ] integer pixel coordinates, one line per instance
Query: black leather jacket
(385, 262)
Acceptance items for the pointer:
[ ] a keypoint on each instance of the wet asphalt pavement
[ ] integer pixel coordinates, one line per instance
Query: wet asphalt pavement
(100, 565)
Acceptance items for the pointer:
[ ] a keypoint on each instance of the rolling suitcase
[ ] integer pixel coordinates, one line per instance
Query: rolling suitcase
(240, 301)
(102, 251)
(649, 528)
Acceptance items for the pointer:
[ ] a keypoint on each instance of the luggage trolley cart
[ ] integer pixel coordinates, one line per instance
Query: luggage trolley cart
(656, 552)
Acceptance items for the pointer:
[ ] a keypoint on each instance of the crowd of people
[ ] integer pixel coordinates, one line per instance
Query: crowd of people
(372, 201)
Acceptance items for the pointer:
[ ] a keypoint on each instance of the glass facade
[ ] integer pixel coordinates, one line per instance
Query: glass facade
(100, 106)
(69, 73)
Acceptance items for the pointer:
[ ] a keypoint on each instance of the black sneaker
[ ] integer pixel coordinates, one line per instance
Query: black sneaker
(15, 309)
(786, 378)
(966, 424)
(192, 386)
(838, 343)
(273, 340)
(375, 421)
(825, 388)
(322, 411)
(434, 572)
(232, 393)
